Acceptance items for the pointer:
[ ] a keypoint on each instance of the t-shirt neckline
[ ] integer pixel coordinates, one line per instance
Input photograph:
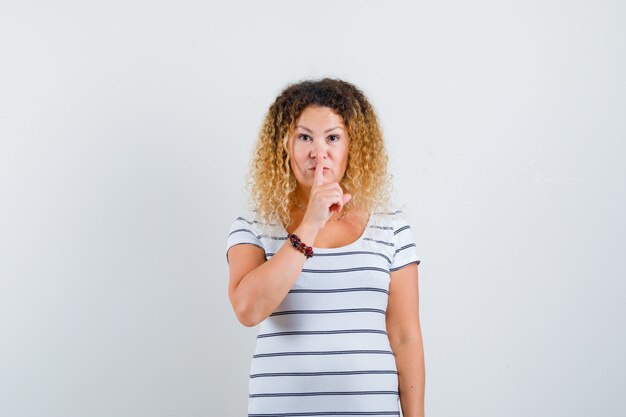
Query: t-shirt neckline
(349, 245)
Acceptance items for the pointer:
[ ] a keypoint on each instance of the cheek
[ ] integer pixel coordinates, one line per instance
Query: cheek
(298, 156)
(292, 155)
(344, 156)
(295, 165)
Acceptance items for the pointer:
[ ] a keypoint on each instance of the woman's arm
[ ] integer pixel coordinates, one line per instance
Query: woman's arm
(256, 286)
(405, 338)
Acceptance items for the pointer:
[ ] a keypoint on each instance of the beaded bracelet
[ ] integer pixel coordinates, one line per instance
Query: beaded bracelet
(298, 244)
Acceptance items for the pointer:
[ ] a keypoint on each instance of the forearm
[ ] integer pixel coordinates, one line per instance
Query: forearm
(409, 357)
(264, 288)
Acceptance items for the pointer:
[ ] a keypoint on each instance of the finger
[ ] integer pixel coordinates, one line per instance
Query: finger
(319, 173)
(336, 200)
(343, 201)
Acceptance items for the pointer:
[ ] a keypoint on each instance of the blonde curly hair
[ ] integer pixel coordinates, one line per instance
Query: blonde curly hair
(270, 181)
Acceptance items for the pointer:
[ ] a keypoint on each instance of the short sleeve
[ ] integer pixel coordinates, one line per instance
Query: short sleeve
(404, 243)
(243, 230)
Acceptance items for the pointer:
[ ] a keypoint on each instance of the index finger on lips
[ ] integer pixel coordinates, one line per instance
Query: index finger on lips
(319, 173)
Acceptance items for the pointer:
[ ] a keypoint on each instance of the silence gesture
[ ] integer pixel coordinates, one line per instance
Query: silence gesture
(324, 199)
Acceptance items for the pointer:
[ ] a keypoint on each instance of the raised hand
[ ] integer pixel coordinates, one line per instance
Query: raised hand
(324, 199)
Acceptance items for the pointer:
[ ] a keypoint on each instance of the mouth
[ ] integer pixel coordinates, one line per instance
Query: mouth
(313, 169)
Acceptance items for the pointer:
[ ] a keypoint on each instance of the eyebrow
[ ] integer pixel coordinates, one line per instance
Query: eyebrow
(309, 130)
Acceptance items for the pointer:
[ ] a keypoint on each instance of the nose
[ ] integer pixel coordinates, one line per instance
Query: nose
(318, 150)
(318, 155)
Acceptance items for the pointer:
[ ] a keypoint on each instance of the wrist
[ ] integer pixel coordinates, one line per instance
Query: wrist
(297, 243)
(303, 239)
(307, 232)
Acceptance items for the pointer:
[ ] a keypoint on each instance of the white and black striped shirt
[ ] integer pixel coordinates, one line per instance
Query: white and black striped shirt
(324, 351)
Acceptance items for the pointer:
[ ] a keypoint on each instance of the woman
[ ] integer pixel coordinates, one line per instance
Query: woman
(326, 265)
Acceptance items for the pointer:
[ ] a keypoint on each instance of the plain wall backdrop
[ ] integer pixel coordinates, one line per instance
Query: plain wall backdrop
(125, 131)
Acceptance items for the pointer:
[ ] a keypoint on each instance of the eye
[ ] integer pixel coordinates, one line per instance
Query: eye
(303, 136)
(334, 136)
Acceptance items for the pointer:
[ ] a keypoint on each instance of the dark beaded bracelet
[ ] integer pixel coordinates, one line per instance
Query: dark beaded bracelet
(298, 244)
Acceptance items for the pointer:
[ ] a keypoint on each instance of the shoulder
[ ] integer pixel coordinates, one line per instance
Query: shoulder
(394, 225)
(395, 217)
(245, 219)
(243, 229)
(250, 227)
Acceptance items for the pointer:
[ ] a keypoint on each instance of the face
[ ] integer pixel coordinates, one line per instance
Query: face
(319, 134)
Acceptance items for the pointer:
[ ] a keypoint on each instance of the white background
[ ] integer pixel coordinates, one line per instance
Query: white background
(125, 130)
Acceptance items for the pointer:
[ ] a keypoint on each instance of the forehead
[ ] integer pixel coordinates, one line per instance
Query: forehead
(318, 115)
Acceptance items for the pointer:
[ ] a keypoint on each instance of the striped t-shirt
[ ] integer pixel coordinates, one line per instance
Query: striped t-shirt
(324, 351)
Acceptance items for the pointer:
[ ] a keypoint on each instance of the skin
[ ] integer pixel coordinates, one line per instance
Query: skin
(405, 339)
(257, 286)
(320, 138)
(319, 148)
